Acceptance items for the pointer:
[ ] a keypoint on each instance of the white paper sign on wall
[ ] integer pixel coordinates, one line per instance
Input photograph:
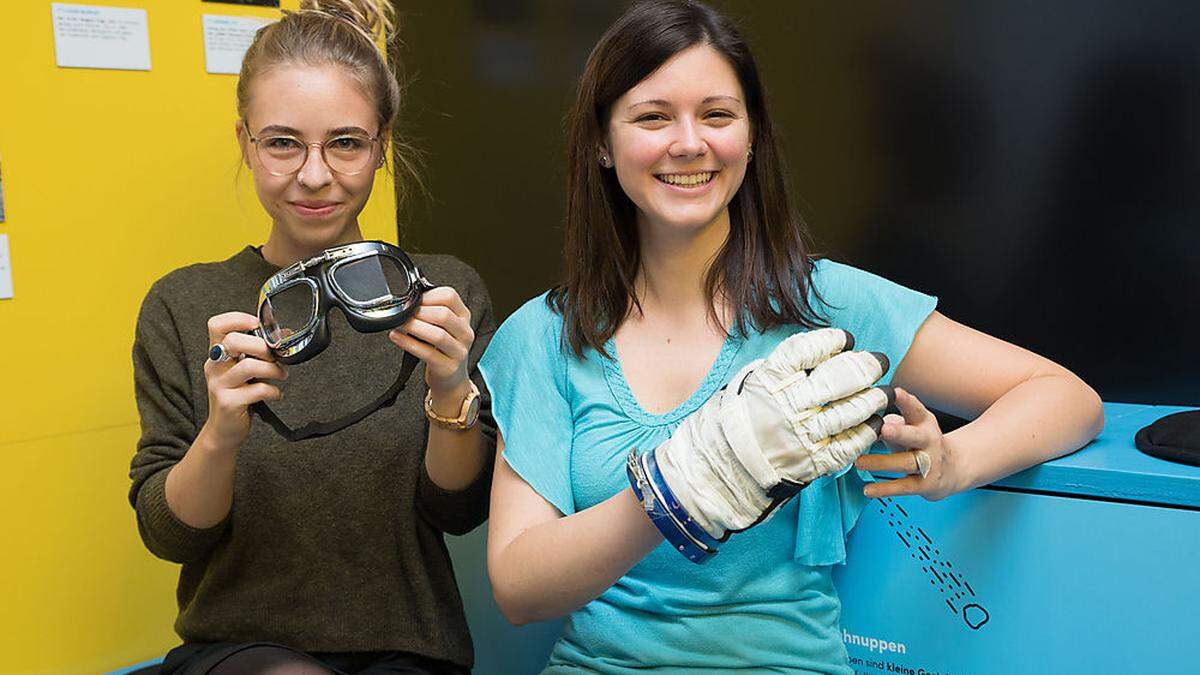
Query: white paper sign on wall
(6, 287)
(226, 39)
(86, 36)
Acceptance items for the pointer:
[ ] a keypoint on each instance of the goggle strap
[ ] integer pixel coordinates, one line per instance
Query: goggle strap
(319, 429)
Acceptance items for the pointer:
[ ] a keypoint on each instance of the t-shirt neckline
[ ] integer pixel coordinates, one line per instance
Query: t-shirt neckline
(717, 375)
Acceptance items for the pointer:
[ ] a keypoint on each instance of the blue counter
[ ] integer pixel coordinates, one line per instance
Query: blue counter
(1085, 564)
(1112, 468)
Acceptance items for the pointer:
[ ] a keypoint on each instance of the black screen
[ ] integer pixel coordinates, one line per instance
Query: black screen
(1035, 165)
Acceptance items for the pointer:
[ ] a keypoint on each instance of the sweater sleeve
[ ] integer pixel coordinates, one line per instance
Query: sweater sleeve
(168, 428)
(461, 511)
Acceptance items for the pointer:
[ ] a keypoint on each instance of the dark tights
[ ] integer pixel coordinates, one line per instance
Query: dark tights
(271, 659)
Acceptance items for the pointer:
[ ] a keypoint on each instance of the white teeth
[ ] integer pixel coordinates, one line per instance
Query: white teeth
(687, 179)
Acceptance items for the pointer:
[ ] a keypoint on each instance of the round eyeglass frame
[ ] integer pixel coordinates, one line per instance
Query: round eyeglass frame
(374, 140)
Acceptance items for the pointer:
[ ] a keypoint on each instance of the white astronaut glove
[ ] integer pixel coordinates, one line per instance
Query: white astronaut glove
(806, 411)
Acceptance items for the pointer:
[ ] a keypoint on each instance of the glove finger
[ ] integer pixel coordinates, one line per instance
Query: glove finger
(803, 351)
(836, 378)
(848, 412)
(841, 450)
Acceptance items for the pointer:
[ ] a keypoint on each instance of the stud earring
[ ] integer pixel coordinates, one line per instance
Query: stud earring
(605, 161)
(749, 154)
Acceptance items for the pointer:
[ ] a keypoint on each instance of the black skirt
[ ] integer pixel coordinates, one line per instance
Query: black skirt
(202, 658)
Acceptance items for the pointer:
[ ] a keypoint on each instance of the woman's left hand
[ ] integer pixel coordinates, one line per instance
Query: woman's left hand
(439, 334)
(918, 449)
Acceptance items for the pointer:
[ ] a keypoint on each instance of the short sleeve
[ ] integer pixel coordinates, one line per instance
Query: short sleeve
(882, 315)
(525, 370)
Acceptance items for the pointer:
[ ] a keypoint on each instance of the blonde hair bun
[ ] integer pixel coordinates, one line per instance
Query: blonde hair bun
(373, 18)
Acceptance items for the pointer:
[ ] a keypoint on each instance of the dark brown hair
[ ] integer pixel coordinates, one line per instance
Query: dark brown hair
(764, 265)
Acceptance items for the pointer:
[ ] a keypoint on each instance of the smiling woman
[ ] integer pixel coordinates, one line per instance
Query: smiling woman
(680, 152)
(661, 103)
(326, 554)
(313, 166)
(670, 399)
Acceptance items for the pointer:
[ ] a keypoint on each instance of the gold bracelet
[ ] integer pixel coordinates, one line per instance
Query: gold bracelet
(468, 415)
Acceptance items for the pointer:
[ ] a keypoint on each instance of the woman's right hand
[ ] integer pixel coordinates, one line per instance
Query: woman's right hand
(235, 384)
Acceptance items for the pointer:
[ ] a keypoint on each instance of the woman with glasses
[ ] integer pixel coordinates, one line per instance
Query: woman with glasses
(326, 554)
(639, 402)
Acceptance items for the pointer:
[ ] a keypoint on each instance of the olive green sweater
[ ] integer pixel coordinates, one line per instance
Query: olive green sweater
(333, 544)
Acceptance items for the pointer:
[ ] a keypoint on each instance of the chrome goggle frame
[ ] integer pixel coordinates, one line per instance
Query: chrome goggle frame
(319, 274)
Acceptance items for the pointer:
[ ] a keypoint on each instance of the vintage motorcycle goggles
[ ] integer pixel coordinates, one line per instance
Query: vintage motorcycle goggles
(374, 284)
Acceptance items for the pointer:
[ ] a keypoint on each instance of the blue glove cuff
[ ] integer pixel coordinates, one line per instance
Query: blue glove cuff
(665, 511)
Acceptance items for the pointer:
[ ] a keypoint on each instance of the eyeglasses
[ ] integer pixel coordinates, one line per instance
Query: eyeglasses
(283, 155)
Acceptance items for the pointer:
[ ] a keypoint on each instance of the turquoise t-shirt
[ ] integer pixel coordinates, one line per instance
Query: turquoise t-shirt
(766, 602)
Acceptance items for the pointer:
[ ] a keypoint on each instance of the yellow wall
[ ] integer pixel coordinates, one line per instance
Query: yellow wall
(111, 179)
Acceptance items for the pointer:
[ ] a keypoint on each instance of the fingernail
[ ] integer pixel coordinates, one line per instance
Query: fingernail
(883, 360)
(849, 341)
(890, 392)
(876, 424)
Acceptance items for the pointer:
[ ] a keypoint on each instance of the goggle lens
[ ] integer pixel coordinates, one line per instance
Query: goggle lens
(286, 312)
(373, 281)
